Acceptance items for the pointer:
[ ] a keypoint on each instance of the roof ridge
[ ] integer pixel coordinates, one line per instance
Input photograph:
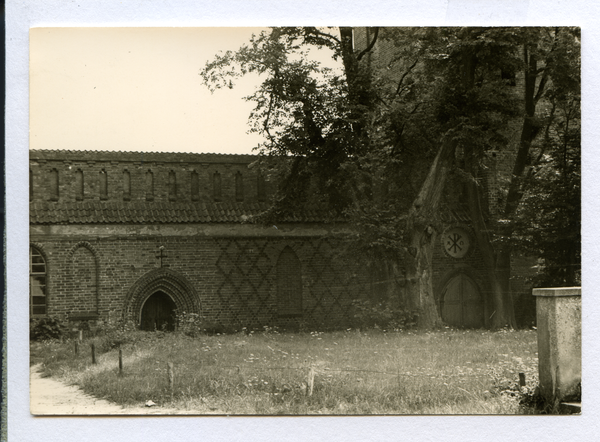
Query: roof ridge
(71, 151)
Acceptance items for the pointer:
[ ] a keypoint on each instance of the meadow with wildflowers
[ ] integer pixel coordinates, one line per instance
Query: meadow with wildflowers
(278, 373)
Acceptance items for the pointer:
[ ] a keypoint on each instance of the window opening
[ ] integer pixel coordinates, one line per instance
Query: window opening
(195, 186)
(54, 185)
(103, 185)
(126, 185)
(239, 186)
(217, 186)
(149, 185)
(172, 186)
(79, 185)
(37, 283)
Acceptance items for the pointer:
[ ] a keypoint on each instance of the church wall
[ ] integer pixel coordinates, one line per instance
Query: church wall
(233, 275)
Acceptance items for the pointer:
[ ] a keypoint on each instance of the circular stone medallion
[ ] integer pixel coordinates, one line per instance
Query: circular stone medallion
(456, 242)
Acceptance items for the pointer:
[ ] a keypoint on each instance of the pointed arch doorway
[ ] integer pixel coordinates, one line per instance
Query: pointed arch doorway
(155, 298)
(461, 303)
(158, 312)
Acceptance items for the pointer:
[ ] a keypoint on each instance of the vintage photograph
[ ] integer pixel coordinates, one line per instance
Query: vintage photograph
(305, 221)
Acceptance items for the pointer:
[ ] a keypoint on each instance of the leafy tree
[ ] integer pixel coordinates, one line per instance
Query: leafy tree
(548, 222)
(386, 147)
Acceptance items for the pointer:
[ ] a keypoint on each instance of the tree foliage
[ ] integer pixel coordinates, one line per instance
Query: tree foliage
(392, 147)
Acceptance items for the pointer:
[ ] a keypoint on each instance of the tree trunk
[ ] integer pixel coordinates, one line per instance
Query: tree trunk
(423, 222)
(497, 267)
(504, 310)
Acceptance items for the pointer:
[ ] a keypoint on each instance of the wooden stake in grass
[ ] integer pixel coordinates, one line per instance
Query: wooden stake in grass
(120, 362)
(171, 378)
(80, 335)
(93, 353)
(311, 380)
(76, 347)
(521, 379)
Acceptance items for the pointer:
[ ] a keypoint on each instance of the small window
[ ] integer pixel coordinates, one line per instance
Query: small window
(172, 186)
(149, 185)
(53, 185)
(239, 186)
(217, 186)
(260, 188)
(103, 185)
(37, 283)
(126, 185)
(79, 185)
(195, 186)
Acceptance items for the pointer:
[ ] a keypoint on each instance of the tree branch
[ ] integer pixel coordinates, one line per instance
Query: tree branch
(404, 75)
(368, 48)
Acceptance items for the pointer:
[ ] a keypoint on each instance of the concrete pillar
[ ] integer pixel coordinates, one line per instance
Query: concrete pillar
(559, 341)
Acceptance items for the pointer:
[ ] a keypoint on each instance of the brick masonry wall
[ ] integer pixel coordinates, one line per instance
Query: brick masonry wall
(91, 164)
(235, 278)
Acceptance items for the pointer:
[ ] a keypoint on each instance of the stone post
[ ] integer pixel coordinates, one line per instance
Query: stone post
(558, 313)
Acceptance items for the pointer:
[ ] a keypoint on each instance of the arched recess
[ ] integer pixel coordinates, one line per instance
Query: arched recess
(84, 266)
(461, 302)
(289, 284)
(166, 281)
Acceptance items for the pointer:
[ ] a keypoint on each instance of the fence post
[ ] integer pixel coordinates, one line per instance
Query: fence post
(311, 380)
(171, 378)
(76, 347)
(120, 362)
(93, 353)
(80, 335)
(521, 380)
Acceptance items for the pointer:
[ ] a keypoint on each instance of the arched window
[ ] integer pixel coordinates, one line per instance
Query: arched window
(53, 185)
(217, 186)
(37, 283)
(260, 188)
(78, 185)
(239, 186)
(103, 184)
(289, 284)
(149, 185)
(172, 186)
(195, 186)
(126, 185)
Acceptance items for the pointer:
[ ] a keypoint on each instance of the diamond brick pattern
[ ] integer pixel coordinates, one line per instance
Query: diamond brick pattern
(245, 282)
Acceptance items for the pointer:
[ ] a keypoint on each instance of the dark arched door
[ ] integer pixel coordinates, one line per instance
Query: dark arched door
(461, 303)
(158, 313)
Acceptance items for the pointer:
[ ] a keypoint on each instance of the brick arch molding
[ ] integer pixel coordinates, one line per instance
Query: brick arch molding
(94, 252)
(85, 244)
(174, 284)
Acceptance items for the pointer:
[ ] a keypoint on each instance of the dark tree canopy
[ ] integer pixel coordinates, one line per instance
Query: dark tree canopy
(391, 143)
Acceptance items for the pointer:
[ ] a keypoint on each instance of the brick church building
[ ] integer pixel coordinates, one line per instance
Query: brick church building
(144, 236)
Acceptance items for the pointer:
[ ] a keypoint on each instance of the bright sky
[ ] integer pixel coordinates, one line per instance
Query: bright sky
(135, 89)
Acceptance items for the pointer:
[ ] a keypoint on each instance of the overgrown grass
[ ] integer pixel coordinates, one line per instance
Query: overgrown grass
(267, 373)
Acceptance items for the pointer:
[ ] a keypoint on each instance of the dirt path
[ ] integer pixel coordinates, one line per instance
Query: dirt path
(51, 397)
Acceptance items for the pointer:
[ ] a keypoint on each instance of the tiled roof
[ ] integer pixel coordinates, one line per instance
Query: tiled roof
(147, 157)
(104, 212)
